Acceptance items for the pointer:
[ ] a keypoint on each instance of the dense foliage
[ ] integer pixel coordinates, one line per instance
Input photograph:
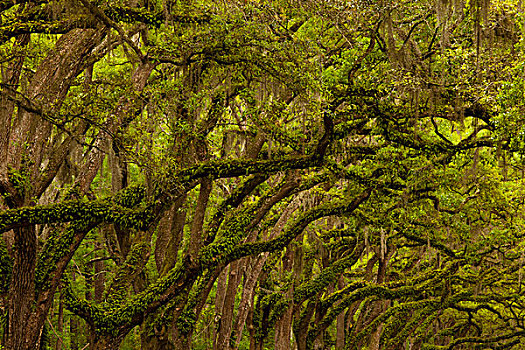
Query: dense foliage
(277, 174)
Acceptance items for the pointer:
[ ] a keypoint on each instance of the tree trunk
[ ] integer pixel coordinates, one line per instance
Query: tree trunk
(73, 324)
(48, 86)
(248, 293)
(301, 331)
(220, 295)
(225, 329)
(10, 77)
(157, 341)
(107, 343)
(60, 323)
(283, 327)
(23, 330)
(100, 276)
(340, 322)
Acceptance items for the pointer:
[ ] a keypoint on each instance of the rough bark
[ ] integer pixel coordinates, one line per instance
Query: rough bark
(196, 239)
(220, 296)
(283, 327)
(99, 278)
(11, 78)
(23, 330)
(225, 329)
(120, 118)
(248, 293)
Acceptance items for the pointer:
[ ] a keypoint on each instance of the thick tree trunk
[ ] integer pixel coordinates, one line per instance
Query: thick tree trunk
(283, 327)
(100, 277)
(34, 315)
(60, 324)
(196, 240)
(340, 322)
(120, 119)
(49, 86)
(107, 343)
(11, 78)
(157, 341)
(220, 295)
(225, 329)
(301, 331)
(248, 292)
(23, 329)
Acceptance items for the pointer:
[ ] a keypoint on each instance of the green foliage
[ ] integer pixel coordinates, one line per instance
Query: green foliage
(362, 161)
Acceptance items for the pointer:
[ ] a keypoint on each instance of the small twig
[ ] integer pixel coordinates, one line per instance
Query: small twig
(54, 331)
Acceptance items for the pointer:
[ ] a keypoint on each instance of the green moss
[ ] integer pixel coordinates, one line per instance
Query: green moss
(132, 15)
(6, 267)
(112, 209)
(135, 262)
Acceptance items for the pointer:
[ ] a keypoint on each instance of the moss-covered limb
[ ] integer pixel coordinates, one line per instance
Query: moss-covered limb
(424, 330)
(493, 342)
(311, 288)
(329, 275)
(89, 311)
(452, 330)
(342, 293)
(297, 227)
(196, 300)
(283, 190)
(30, 27)
(117, 321)
(52, 264)
(475, 309)
(7, 4)
(164, 316)
(138, 14)
(230, 234)
(309, 183)
(300, 324)
(386, 127)
(434, 243)
(342, 130)
(393, 319)
(232, 201)
(98, 13)
(240, 222)
(421, 281)
(361, 290)
(371, 181)
(112, 209)
(239, 167)
(135, 262)
(133, 15)
(425, 315)
(422, 316)
(375, 291)
(159, 293)
(421, 311)
(58, 250)
(405, 137)
(262, 312)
